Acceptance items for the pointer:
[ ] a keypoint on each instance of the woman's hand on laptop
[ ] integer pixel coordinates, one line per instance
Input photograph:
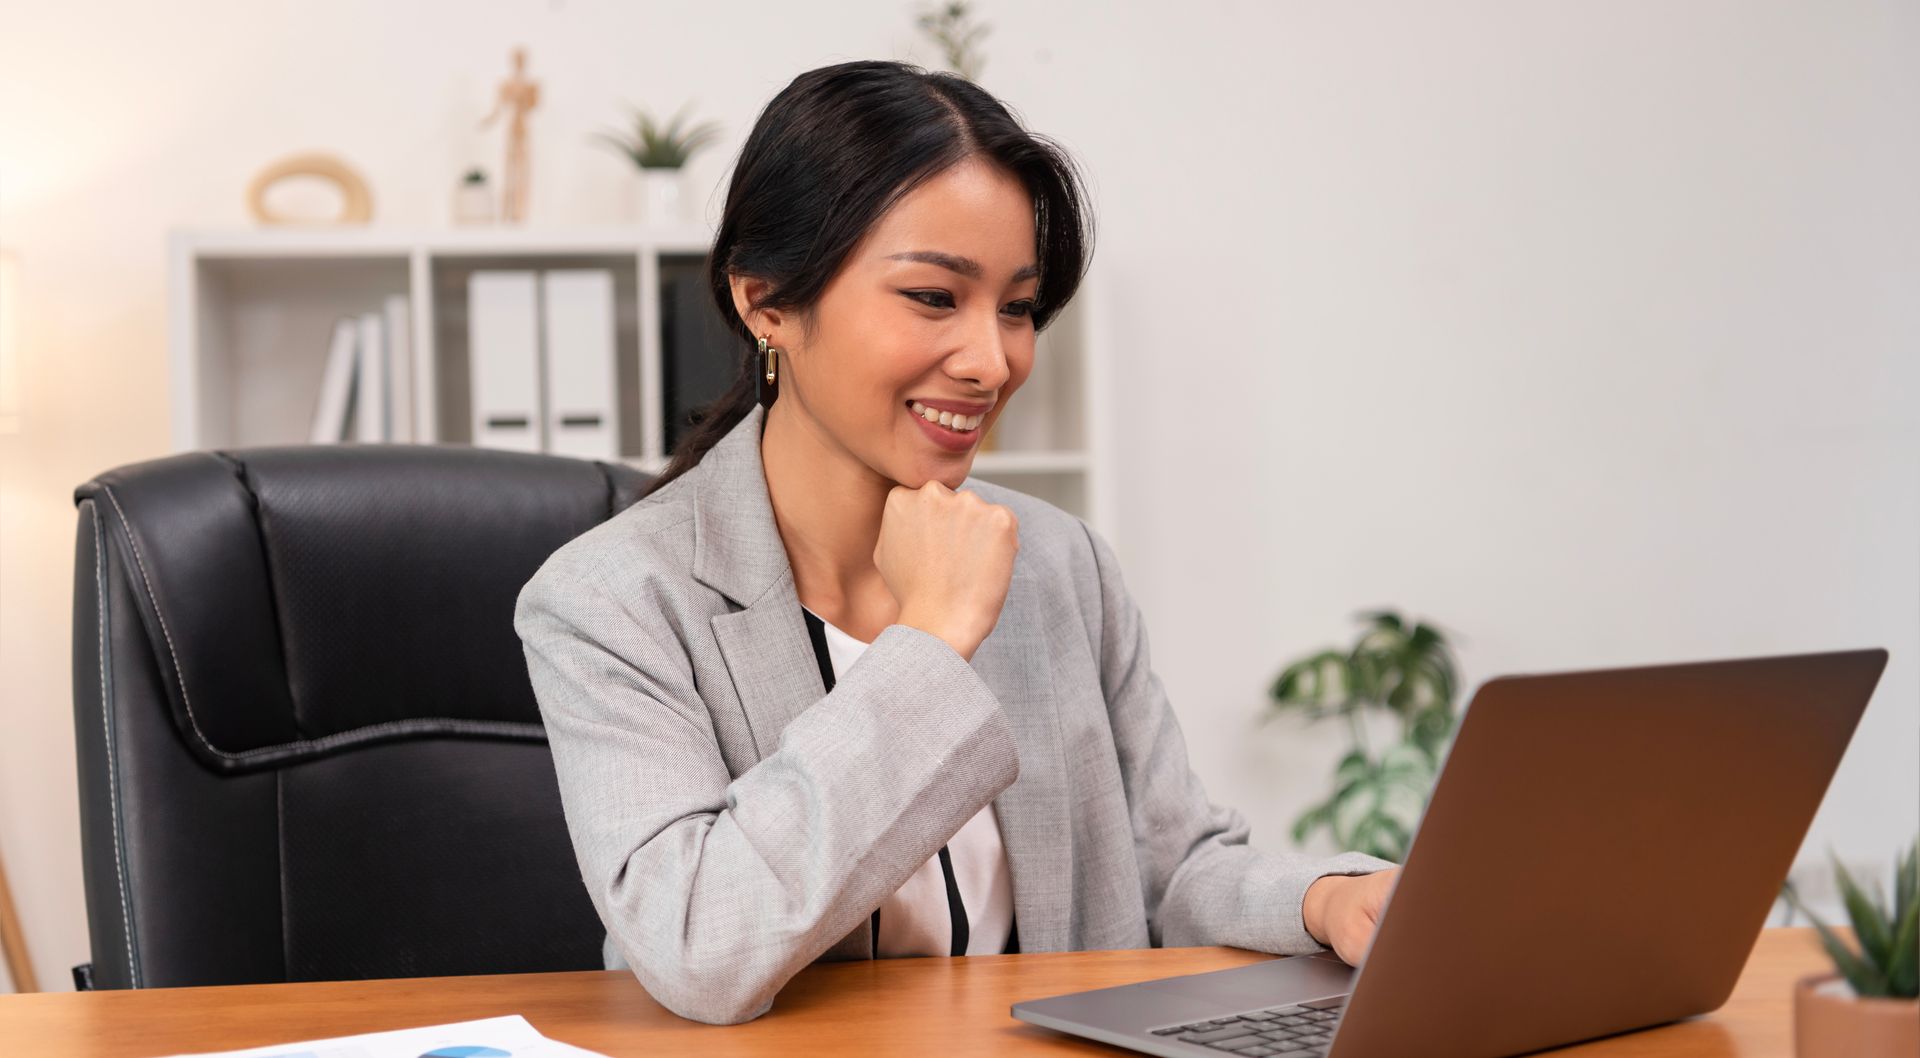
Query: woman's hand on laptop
(1342, 910)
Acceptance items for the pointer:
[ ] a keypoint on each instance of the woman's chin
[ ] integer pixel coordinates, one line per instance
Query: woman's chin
(952, 475)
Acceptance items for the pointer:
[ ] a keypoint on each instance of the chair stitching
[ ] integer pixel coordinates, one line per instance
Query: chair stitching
(179, 677)
(106, 729)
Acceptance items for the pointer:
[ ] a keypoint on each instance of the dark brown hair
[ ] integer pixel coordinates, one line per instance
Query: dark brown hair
(826, 159)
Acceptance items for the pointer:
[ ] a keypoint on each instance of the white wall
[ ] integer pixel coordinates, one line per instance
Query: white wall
(1588, 330)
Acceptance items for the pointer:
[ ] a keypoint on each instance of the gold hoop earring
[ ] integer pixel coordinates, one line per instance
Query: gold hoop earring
(769, 354)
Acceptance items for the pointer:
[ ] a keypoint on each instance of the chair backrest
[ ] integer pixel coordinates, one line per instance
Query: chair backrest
(308, 747)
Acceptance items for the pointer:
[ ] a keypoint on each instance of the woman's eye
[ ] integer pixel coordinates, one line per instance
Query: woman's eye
(940, 299)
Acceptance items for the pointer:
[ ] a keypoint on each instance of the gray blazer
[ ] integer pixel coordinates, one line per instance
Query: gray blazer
(734, 822)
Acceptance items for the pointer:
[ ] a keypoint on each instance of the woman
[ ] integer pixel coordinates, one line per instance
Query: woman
(820, 695)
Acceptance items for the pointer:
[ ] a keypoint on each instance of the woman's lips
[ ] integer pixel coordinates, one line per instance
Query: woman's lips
(951, 440)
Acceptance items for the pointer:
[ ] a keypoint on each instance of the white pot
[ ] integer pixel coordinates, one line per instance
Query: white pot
(660, 197)
(473, 204)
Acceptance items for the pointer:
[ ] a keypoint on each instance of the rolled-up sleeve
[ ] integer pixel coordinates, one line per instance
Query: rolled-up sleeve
(1203, 883)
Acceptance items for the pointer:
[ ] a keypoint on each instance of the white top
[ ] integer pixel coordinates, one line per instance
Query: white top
(916, 920)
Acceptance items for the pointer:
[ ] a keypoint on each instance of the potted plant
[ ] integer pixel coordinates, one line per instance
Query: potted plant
(1867, 1006)
(950, 25)
(472, 201)
(660, 153)
(1406, 671)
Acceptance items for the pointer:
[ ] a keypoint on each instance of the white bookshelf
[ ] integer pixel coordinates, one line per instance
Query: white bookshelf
(251, 312)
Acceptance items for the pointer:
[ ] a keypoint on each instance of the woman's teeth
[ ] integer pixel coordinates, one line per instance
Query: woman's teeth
(956, 423)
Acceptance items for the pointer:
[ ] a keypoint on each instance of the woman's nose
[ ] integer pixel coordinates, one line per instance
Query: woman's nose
(984, 361)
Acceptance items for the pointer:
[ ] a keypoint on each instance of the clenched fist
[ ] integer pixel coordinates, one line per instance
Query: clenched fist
(947, 557)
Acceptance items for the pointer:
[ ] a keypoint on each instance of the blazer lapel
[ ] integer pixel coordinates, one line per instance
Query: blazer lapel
(738, 552)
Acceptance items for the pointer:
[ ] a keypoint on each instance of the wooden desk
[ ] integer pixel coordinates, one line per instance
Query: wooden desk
(888, 1005)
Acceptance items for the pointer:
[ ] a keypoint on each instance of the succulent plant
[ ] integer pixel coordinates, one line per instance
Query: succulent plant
(1887, 962)
(653, 146)
(1408, 671)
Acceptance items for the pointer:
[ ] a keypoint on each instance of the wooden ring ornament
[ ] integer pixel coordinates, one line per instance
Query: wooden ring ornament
(356, 200)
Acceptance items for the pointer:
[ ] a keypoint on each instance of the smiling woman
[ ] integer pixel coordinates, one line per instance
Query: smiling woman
(890, 230)
(820, 694)
(950, 330)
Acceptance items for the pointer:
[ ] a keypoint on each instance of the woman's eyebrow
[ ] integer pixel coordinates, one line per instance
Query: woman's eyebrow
(966, 266)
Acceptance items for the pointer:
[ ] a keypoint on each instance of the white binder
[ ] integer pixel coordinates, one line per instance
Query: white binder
(577, 310)
(336, 385)
(399, 369)
(370, 393)
(503, 342)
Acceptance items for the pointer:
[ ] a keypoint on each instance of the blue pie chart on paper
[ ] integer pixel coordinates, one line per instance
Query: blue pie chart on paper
(467, 1052)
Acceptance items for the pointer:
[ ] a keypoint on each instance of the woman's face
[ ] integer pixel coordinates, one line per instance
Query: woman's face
(931, 310)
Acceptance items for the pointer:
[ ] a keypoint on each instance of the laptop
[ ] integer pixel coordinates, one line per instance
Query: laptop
(1600, 853)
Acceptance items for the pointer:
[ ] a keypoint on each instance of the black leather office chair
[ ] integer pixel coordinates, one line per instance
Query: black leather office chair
(308, 747)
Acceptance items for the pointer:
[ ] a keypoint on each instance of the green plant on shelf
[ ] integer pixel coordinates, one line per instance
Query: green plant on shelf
(1886, 962)
(950, 25)
(651, 145)
(1393, 667)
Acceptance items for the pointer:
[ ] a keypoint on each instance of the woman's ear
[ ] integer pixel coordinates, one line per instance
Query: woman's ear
(747, 290)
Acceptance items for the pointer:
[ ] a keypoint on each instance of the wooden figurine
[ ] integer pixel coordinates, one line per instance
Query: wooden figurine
(518, 95)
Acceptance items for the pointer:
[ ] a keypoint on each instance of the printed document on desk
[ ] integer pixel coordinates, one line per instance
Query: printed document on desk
(511, 1036)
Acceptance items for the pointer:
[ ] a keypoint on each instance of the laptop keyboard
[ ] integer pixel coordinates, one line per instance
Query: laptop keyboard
(1302, 1031)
